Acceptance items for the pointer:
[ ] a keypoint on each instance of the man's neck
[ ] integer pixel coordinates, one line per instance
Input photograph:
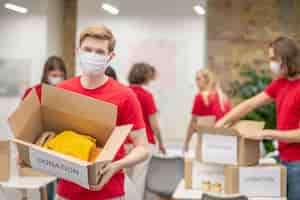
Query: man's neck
(93, 82)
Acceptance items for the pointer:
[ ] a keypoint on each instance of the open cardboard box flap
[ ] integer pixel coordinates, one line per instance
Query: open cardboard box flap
(62, 110)
(5, 160)
(71, 111)
(205, 124)
(246, 127)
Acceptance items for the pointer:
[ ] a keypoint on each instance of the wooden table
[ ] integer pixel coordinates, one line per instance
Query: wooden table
(23, 184)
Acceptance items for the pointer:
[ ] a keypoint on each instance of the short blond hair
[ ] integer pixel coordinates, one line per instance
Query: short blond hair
(99, 32)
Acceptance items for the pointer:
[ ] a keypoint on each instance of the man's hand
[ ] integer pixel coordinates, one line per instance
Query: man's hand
(107, 173)
(162, 149)
(221, 123)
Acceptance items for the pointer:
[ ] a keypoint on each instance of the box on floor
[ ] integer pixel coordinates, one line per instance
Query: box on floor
(253, 181)
(62, 110)
(226, 145)
(4, 160)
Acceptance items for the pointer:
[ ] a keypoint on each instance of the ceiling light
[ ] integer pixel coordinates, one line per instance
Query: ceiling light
(16, 8)
(199, 10)
(109, 8)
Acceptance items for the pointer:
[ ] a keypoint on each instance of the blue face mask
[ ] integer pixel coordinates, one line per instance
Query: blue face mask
(92, 63)
(275, 67)
(55, 80)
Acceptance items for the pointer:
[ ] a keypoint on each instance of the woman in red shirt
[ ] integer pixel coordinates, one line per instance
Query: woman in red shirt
(54, 72)
(139, 76)
(284, 56)
(210, 101)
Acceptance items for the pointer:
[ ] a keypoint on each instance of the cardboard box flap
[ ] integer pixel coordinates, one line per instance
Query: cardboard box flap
(221, 131)
(25, 122)
(4, 147)
(71, 111)
(114, 143)
(206, 121)
(246, 126)
(4, 160)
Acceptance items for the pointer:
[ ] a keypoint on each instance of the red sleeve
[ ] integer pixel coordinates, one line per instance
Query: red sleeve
(38, 90)
(272, 88)
(227, 106)
(130, 113)
(198, 106)
(26, 93)
(149, 105)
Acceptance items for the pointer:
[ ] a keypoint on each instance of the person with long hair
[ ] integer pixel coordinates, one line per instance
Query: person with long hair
(54, 72)
(284, 58)
(211, 100)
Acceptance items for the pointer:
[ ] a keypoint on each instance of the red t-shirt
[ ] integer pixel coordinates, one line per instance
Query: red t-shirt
(38, 89)
(148, 107)
(213, 107)
(129, 112)
(286, 94)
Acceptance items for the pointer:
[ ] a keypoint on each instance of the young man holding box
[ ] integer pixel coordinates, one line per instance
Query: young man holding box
(96, 50)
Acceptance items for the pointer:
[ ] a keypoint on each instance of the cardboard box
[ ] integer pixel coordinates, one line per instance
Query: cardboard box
(227, 145)
(204, 177)
(62, 110)
(256, 181)
(4, 160)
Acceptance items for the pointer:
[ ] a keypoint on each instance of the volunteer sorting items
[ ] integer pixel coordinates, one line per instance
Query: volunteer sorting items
(139, 76)
(284, 56)
(54, 72)
(210, 101)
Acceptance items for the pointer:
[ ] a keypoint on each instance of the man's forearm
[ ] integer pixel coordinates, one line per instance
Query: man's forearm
(292, 136)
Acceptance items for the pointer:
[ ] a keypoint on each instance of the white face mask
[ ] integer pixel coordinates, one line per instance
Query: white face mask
(92, 63)
(275, 67)
(53, 80)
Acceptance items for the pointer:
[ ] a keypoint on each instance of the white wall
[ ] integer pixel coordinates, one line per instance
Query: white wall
(159, 40)
(34, 37)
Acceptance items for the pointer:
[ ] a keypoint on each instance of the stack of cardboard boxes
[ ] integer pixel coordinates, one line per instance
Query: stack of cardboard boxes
(228, 163)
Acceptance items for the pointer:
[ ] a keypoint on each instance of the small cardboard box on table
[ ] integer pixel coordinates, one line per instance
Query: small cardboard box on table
(227, 146)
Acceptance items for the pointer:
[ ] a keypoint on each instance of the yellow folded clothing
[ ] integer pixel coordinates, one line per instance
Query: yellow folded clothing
(72, 144)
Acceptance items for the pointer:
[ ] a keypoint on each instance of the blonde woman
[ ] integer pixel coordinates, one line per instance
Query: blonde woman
(210, 100)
